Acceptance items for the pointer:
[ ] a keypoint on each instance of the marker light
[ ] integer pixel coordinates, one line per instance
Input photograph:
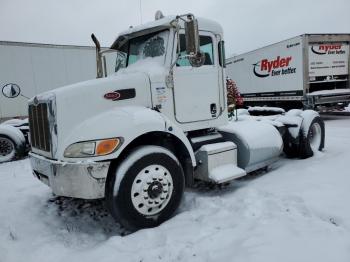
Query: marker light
(105, 147)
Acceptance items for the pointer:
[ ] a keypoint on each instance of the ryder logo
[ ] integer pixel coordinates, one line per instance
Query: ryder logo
(276, 67)
(329, 49)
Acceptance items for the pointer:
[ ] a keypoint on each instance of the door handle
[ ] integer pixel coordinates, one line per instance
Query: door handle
(213, 109)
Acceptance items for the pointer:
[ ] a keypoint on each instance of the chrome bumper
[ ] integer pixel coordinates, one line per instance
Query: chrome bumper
(79, 180)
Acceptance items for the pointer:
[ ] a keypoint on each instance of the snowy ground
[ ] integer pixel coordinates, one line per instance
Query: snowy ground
(298, 211)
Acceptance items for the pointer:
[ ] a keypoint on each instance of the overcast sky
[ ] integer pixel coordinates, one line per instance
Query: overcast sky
(248, 24)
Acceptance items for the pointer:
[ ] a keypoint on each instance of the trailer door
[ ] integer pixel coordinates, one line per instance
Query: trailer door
(328, 65)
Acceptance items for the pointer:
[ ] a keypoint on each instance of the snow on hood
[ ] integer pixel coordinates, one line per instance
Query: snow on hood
(153, 67)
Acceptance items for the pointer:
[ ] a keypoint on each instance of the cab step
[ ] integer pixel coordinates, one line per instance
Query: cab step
(198, 141)
(217, 163)
(225, 173)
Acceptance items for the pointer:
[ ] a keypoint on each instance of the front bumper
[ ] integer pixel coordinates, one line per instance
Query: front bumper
(80, 180)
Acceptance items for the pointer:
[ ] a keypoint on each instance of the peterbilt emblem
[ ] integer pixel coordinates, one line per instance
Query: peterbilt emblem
(112, 96)
(120, 94)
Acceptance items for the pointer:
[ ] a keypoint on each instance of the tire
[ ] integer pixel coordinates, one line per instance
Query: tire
(312, 138)
(146, 188)
(290, 148)
(8, 149)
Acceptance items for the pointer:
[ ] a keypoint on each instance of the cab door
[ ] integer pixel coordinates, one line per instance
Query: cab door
(196, 89)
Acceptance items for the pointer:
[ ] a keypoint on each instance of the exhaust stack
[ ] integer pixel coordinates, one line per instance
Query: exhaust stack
(98, 57)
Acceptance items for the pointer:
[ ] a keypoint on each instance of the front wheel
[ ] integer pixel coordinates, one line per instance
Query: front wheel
(146, 188)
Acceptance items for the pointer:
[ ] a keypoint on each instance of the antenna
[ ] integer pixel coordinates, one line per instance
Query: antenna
(140, 11)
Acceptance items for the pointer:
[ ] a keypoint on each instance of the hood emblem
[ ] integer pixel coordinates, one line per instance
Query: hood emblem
(120, 94)
(112, 96)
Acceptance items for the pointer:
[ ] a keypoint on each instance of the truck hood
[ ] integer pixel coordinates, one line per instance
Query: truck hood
(152, 67)
(79, 102)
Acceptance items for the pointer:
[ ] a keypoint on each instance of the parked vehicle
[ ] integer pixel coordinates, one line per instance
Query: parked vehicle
(307, 71)
(13, 139)
(140, 135)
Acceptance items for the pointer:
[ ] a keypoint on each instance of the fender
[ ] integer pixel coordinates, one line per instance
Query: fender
(307, 116)
(128, 123)
(14, 133)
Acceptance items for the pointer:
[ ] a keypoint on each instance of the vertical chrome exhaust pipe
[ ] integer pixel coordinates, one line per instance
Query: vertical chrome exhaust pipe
(99, 69)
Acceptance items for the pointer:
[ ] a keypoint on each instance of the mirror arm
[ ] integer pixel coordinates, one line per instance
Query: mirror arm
(25, 96)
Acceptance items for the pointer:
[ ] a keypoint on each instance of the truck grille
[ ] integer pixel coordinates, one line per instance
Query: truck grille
(39, 127)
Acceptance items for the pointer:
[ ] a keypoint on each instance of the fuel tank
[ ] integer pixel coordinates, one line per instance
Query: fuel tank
(258, 144)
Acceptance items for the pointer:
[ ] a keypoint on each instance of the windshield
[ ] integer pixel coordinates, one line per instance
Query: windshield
(151, 46)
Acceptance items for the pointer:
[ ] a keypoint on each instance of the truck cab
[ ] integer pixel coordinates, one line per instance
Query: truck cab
(157, 50)
(138, 135)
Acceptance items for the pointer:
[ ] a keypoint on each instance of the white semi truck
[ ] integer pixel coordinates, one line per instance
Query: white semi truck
(307, 71)
(137, 137)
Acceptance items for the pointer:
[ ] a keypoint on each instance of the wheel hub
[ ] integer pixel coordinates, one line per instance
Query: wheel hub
(151, 190)
(6, 146)
(155, 190)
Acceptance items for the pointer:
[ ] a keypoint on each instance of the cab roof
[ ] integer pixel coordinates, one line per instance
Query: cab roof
(162, 24)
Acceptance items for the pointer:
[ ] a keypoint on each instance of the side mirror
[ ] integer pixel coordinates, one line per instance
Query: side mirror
(11, 90)
(196, 58)
(192, 36)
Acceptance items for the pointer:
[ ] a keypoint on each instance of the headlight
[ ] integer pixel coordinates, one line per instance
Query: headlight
(92, 148)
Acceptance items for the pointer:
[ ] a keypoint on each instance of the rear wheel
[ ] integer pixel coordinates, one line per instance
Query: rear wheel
(146, 188)
(7, 149)
(290, 148)
(312, 139)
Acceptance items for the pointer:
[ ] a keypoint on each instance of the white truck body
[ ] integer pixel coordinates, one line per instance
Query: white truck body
(307, 70)
(37, 68)
(139, 135)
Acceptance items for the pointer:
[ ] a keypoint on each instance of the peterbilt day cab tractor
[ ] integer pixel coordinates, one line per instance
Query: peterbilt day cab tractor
(138, 136)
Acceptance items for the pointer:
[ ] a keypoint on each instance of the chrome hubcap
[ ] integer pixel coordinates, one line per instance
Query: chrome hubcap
(152, 190)
(6, 146)
(315, 136)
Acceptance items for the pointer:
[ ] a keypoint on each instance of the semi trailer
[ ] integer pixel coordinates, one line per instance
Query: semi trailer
(159, 123)
(33, 68)
(307, 71)
(27, 69)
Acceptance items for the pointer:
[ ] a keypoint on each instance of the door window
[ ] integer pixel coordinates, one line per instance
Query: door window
(206, 47)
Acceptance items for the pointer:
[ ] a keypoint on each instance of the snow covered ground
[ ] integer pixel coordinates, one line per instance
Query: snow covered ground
(298, 211)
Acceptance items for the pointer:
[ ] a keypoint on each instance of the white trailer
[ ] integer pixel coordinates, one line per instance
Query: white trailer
(36, 68)
(307, 71)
